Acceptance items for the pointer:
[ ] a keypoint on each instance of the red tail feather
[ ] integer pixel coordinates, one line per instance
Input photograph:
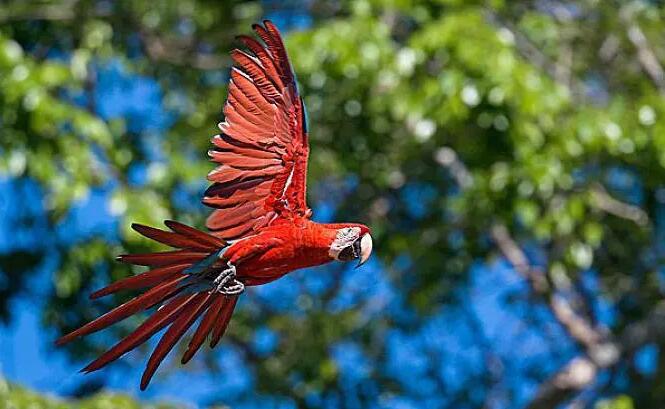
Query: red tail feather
(150, 277)
(150, 326)
(163, 258)
(171, 286)
(171, 239)
(223, 322)
(204, 328)
(198, 235)
(144, 301)
(185, 319)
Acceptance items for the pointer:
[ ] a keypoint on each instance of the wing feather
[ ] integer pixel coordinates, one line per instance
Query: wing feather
(242, 162)
(263, 142)
(223, 144)
(266, 59)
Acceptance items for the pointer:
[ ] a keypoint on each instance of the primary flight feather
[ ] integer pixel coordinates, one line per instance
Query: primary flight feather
(260, 229)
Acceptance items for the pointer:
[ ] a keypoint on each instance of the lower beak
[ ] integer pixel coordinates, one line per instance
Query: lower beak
(365, 249)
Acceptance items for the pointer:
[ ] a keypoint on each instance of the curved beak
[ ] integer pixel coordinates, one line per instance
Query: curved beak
(365, 249)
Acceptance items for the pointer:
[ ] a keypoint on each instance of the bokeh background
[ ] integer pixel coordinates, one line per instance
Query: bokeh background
(508, 155)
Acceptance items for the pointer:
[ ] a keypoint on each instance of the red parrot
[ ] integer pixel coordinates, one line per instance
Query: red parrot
(260, 228)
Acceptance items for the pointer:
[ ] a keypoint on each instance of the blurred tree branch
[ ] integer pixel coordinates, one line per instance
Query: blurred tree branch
(182, 52)
(530, 51)
(582, 371)
(579, 328)
(647, 57)
(560, 71)
(26, 10)
(645, 53)
(600, 350)
(605, 202)
(177, 50)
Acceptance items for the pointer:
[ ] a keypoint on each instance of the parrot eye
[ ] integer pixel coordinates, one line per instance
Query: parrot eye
(347, 232)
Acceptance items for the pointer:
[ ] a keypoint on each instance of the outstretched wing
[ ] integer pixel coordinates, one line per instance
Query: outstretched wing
(263, 149)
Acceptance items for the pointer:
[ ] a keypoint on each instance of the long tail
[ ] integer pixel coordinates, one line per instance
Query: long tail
(174, 282)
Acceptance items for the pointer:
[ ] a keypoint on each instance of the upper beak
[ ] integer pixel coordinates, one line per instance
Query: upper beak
(365, 249)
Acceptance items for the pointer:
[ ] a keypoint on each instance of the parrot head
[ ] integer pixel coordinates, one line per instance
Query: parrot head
(352, 242)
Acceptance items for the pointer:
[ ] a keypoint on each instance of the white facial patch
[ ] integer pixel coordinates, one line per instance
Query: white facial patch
(345, 237)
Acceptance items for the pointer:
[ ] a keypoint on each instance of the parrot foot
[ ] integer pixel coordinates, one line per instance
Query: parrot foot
(226, 283)
(233, 288)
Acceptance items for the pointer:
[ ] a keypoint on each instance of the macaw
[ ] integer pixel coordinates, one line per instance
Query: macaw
(260, 230)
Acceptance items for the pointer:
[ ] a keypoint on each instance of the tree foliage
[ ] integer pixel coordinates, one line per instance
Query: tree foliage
(466, 133)
(14, 397)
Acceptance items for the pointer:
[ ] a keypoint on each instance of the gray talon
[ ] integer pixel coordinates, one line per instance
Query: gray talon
(226, 283)
(234, 289)
(224, 275)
